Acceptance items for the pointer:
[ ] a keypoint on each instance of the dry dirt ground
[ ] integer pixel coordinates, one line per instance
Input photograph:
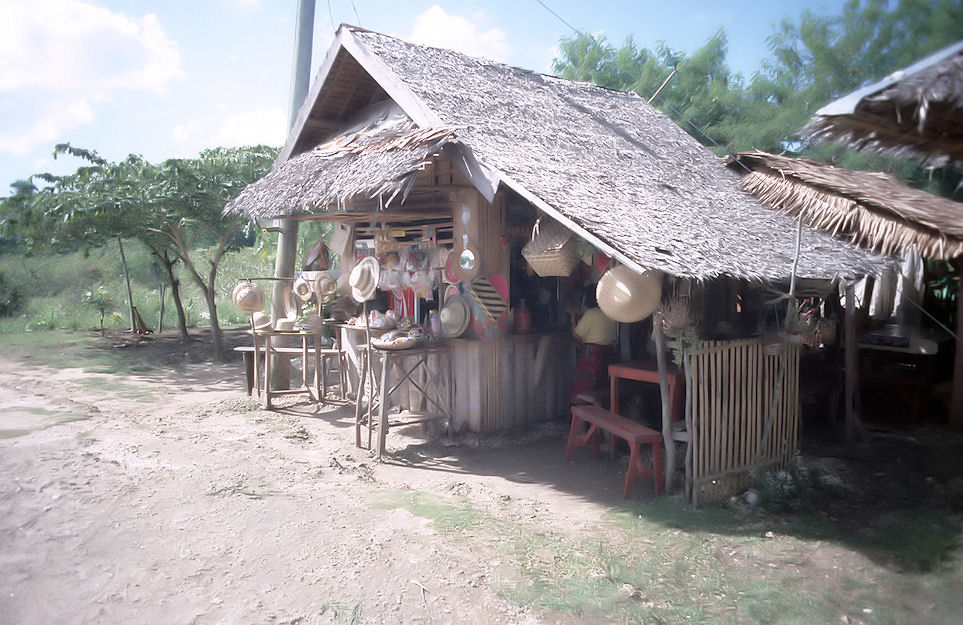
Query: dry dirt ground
(165, 495)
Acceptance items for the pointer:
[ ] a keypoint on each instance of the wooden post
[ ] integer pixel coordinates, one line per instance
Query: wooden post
(956, 399)
(666, 406)
(851, 360)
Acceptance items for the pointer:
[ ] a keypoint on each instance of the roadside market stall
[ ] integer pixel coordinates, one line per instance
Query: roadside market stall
(460, 176)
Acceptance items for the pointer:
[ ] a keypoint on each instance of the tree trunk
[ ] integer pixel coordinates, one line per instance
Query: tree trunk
(956, 401)
(175, 293)
(130, 296)
(216, 337)
(160, 317)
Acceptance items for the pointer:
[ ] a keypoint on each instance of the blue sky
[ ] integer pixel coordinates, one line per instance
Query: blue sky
(169, 78)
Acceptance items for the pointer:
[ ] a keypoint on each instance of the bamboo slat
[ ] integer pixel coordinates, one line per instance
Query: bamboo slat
(734, 395)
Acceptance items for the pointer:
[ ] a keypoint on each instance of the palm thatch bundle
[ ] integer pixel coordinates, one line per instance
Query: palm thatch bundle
(872, 209)
(916, 111)
(381, 158)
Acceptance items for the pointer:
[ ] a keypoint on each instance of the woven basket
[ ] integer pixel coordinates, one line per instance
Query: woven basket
(551, 252)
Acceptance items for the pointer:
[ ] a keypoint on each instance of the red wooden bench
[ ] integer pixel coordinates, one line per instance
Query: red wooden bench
(635, 434)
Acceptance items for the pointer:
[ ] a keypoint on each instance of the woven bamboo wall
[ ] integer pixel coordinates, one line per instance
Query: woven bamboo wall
(743, 413)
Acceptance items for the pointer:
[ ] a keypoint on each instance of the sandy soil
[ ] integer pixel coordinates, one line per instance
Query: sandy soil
(162, 498)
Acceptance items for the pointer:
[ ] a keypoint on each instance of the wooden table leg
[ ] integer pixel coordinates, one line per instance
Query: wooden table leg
(267, 372)
(358, 412)
(320, 382)
(383, 406)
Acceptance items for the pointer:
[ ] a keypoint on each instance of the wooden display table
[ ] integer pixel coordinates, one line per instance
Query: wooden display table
(646, 371)
(430, 362)
(313, 385)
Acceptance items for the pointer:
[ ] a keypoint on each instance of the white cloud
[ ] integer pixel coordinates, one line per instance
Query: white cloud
(437, 28)
(259, 125)
(78, 54)
(70, 45)
(45, 125)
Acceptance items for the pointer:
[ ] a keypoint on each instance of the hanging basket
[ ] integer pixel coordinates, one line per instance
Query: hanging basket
(551, 252)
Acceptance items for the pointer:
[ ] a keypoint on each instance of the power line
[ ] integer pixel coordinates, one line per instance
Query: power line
(358, 19)
(638, 80)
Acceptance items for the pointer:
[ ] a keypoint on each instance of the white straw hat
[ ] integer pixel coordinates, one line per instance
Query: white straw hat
(627, 296)
(302, 288)
(248, 297)
(364, 279)
(325, 285)
(261, 321)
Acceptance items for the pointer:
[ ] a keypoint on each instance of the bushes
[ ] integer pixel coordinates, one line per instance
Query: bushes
(40, 292)
(11, 297)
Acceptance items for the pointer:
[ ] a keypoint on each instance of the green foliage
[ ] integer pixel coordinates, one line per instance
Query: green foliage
(11, 297)
(813, 60)
(100, 301)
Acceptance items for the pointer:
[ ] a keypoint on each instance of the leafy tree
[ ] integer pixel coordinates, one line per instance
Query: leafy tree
(173, 208)
(186, 213)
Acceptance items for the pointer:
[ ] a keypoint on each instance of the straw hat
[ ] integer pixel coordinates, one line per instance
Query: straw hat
(248, 297)
(284, 325)
(261, 321)
(302, 288)
(364, 279)
(325, 285)
(627, 296)
(312, 323)
(454, 316)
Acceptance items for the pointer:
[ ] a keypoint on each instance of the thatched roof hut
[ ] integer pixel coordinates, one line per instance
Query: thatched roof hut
(916, 111)
(607, 165)
(872, 209)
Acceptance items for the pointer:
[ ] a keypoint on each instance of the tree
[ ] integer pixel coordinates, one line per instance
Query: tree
(186, 213)
(173, 208)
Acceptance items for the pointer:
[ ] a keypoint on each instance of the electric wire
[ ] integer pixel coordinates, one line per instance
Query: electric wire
(356, 17)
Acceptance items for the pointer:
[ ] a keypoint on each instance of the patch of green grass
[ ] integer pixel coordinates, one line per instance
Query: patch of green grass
(343, 613)
(663, 561)
(447, 516)
(14, 433)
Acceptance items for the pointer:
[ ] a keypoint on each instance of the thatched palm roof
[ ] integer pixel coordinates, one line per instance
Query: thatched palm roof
(606, 164)
(916, 111)
(872, 208)
(380, 156)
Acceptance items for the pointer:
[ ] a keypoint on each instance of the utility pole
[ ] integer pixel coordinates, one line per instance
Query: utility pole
(288, 228)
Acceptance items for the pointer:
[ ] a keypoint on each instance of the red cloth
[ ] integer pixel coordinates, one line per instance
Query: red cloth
(591, 368)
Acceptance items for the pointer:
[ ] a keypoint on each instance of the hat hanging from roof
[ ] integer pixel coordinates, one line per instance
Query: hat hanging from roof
(248, 297)
(627, 296)
(454, 316)
(302, 288)
(325, 284)
(364, 279)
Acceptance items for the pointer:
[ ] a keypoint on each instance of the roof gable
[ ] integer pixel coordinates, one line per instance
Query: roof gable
(608, 165)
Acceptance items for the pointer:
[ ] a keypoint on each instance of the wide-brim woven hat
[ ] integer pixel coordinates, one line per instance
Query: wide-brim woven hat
(248, 297)
(325, 284)
(261, 321)
(364, 279)
(627, 296)
(302, 288)
(454, 316)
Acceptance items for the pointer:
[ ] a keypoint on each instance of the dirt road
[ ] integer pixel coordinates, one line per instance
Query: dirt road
(160, 499)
